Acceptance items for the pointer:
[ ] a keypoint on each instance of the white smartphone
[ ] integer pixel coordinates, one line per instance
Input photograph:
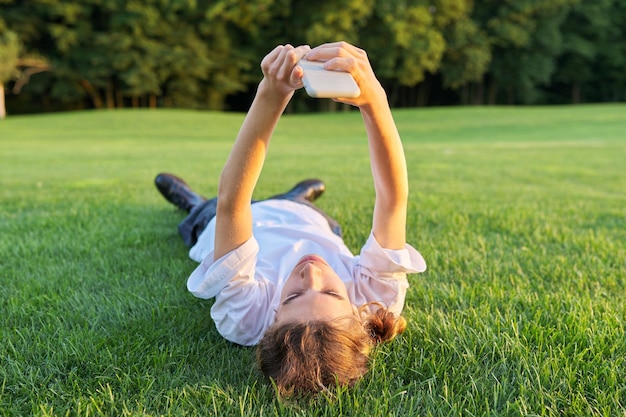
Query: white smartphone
(321, 83)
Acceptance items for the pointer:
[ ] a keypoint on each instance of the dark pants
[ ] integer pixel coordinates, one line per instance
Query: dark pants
(198, 218)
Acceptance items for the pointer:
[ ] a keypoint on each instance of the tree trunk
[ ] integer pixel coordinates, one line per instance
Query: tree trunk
(394, 94)
(463, 94)
(119, 99)
(510, 93)
(109, 95)
(153, 101)
(423, 93)
(3, 110)
(492, 95)
(331, 106)
(95, 97)
(478, 94)
(576, 93)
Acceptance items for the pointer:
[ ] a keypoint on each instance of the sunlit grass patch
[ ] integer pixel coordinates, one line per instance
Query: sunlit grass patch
(519, 212)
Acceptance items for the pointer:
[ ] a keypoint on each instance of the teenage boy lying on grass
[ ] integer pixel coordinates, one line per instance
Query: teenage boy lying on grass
(281, 275)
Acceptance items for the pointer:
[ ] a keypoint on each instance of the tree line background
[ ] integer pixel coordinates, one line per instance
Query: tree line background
(67, 55)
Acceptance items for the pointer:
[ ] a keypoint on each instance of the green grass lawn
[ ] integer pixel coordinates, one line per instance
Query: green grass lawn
(520, 214)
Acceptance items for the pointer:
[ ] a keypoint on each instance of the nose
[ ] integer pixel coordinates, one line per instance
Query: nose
(311, 275)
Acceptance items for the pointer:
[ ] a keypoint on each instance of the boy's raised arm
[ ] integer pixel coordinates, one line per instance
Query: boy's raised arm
(387, 159)
(245, 162)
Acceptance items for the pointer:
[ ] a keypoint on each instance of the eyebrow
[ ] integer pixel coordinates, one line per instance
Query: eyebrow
(330, 294)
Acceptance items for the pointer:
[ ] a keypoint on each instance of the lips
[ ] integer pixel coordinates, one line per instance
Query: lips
(310, 258)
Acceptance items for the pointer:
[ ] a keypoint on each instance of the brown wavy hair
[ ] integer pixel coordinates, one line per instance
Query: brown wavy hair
(305, 358)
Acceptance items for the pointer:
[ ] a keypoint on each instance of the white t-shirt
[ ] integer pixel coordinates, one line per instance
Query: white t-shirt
(247, 281)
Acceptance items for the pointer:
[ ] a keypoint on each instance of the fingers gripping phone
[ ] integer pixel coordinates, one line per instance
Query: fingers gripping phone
(321, 83)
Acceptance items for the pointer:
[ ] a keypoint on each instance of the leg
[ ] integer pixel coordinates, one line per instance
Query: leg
(197, 220)
(307, 190)
(201, 210)
(177, 192)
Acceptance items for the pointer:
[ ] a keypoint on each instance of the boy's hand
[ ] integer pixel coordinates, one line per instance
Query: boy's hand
(281, 73)
(346, 57)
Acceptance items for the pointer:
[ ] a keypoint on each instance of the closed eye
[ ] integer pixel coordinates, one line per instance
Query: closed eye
(334, 294)
(291, 297)
(331, 293)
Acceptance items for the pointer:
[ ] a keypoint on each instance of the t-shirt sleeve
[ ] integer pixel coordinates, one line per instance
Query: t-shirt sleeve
(211, 276)
(380, 274)
(241, 300)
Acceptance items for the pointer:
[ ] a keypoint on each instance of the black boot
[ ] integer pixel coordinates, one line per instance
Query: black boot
(308, 190)
(177, 192)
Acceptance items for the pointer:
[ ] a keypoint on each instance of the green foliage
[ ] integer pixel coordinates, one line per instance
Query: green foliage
(404, 41)
(594, 57)
(192, 53)
(119, 52)
(330, 21)
(587, 25)
(526, 42)
(467, 55)
(9, 54)
(519, 213)
(609, 68)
